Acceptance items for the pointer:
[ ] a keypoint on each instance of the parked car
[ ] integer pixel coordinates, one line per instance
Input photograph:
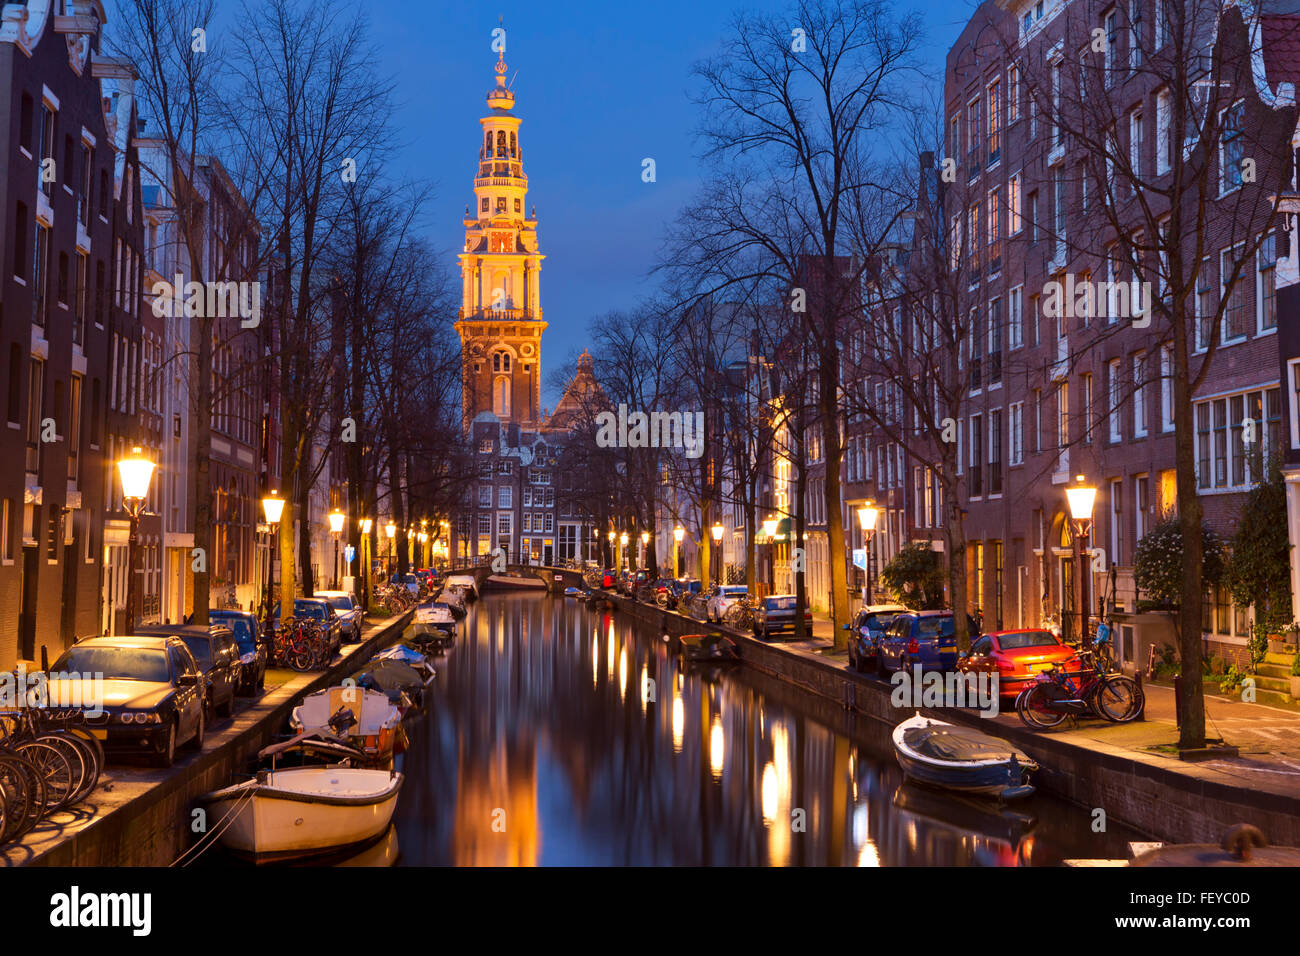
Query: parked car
(318, 610)
(721, 598)
(348, 611)
(920, 637)
(775, 614)
(217, 654)
(152, 693)
(1017, 656)
(866, 630)
(254, 651)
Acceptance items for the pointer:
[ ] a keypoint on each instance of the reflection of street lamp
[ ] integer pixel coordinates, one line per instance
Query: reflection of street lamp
(678, 533)
(272, 507)
(769, 532)
(717, 545)
(336, 527)
(1080, 498)
(867, 516)
(136, 472)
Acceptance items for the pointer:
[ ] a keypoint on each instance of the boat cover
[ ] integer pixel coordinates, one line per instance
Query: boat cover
(400, 652)
(390, 675)
(949, 742)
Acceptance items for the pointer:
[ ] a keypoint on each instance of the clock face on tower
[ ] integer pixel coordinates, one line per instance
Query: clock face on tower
(503, 242)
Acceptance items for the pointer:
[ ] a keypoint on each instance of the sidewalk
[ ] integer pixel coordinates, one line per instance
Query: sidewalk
(1268, 737)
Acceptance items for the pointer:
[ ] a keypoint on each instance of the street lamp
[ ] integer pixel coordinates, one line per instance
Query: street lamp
(622, 547)
(678, 533)
(769, 532)
(366, 560)
(717, 530)
(645, 548)
(391, 529)
(1080, 498)
(136, 472)
(867, 516)
(272, 507)
(336, 527)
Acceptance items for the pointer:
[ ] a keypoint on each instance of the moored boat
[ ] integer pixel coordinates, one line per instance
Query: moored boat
(963, 759)
(366, 719)
(304, 811)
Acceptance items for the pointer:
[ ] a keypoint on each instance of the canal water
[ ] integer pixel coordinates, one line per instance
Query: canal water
(559, 735)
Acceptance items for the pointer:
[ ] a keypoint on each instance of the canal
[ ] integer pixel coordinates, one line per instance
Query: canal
(560, 735)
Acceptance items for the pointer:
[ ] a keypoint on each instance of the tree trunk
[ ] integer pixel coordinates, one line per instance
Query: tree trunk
(1191, 731)
(828, 395)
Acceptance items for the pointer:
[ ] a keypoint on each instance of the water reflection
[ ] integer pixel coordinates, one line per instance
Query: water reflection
(533, 752)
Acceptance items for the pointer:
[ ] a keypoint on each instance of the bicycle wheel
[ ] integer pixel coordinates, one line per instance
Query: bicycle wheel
(90, 762)
(17, 793)
(32, 784)
(1032, 706)
(53, 768)
(300, 656)
(1116, 699)
(77, 765)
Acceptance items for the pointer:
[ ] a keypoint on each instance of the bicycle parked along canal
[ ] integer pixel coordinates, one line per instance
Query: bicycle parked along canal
(1054, 695)
(48, 762)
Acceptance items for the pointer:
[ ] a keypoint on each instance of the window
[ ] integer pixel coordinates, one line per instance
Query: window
(40, 274)
(1166, 389)
(1038, 420)
(1058, 131)
(1163, 31)
(1235, 436)
(1164, 133)
(74, 429)
(1017, 423)
(1013, 94)
(1087, 408)
(503, 526)
(1139, 396)
(1015, 221)
(1108, 24)
(995, 451)
(1058, 199)
(1135, 34)
(974, 127)
(1204, 306)
(504, 496)
(976, 449)
(1063, 421)
(79, 314)
(1234, 313)
(1113, 401)
(83, 184)
(35, 409)
(1033, 216)
(995, 121)
(995, 342)
(1116, 523)
(485, 496)
(7, 530)
(1141, 504)
(46, 144)
(1136, 146)
(1266, 285)
(1232, 146)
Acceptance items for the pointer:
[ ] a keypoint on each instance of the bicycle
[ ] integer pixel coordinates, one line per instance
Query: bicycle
(740, 614)
(46, 764)
(1053, 696)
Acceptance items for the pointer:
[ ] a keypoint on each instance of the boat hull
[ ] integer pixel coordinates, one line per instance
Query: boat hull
(277, 819)
(1006, 779)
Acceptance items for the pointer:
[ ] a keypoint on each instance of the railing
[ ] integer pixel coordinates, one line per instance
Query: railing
(499, 315)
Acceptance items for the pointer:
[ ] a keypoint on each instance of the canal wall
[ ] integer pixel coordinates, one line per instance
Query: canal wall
(154, 828)
(1169, 800)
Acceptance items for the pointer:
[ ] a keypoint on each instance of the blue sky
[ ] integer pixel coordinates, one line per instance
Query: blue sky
(599, 87)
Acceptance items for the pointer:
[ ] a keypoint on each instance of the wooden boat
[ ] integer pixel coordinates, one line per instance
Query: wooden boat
(713, 648)
(464, 582)
(304, 811)
(958, 758)
(515, 582)
(370, 721)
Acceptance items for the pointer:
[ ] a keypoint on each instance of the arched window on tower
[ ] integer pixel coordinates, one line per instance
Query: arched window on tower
(487, 145)
(501, 396)
(501, 361)
(501, 144)
(514, 146)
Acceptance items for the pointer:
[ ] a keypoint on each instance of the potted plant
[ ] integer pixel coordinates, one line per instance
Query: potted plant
(1295, 677)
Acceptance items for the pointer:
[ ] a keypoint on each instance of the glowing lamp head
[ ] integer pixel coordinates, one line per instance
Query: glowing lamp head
(622, 539)
(366, 525)
(717, 530)
(136, 472)
(391, 529)
(611, 537)
(867, 516)
(273, 507)
(645, 537)
(1080, 498)
(769, 527)
(336, 521)
(679, 532)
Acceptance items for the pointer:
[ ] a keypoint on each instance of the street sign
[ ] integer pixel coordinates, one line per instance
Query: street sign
(349, 553)
(860, 558)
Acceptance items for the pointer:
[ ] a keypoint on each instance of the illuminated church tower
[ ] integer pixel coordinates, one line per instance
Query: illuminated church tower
(500, 321)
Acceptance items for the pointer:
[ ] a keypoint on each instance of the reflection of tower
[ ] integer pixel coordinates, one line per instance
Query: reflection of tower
(500, 321)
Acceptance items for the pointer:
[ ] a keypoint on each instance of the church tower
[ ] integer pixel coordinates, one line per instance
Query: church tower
(500, 321)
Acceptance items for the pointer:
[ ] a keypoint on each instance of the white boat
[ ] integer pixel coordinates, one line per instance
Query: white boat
(304, 811)
(466, 581)
(435, 615)
(961, 758)
(374, 722)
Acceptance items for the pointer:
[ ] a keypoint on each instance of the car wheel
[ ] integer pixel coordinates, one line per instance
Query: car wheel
(261, 680)
(200, 733)
(168, 755)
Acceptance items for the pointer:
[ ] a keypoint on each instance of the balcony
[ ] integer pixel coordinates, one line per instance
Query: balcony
(499, 315)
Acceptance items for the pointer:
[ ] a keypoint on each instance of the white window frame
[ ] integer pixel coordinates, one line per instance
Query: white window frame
(1139, 396)
(1115, 431)
(1166, 389)
(1016, 419)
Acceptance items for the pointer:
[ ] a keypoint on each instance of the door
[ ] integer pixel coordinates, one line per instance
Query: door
(27, 610)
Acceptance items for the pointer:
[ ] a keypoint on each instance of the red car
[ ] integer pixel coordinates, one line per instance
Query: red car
(1017, 656)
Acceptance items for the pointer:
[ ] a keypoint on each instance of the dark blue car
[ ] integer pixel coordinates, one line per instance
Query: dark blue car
(920, 637)
(253, 652)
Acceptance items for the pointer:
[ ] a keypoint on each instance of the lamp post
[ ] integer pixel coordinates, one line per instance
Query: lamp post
(645, 548)
(366, 560)
(136, 472)
(769, 532)
(336, 527)
(867, 516)
(391, 528)
(622, 548)
(678, 533)
(272, 508)
(1080, 498)
(611, 548)
(717, 547)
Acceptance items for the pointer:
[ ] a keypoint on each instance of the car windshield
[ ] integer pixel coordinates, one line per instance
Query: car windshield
(341, 603)
(780, 603)
(115, 663)
(1011, 642)
(935, 626)
(201, 648)
(309, 609)
(878, 621)
(734, 591)
(243, 633)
